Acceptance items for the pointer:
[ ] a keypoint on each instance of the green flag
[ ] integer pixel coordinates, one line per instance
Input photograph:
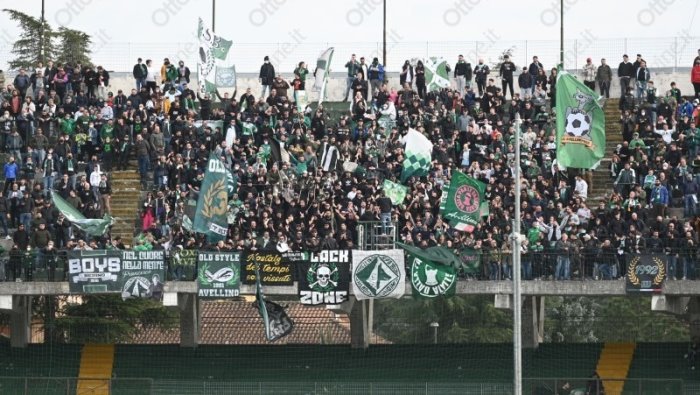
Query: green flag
(213, 66)
(417, 155)
(433, 271)
(249, 128)
(276, 322)
(212, 203)
(461, 202)
(395, 192)
(92, 227)
(580, 124)
(436, 75)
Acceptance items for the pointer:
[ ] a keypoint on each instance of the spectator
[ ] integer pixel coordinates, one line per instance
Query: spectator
(604, 78)
(589, 74)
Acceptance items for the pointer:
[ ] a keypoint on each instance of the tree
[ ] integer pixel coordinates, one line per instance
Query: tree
(29, 49)
(109, 319)
(461, 319)
(73, 47)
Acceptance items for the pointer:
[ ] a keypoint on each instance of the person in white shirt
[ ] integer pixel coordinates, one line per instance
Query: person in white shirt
(666, 133)
(581, 188)
(151, 76)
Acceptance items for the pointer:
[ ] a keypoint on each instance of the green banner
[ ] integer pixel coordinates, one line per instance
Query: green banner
(92, 227)
(433, 271)
(212, 203)
(461, 202)
(132, 273)
(183, 264)
(395, 192)
(580, 124)
(219, 274)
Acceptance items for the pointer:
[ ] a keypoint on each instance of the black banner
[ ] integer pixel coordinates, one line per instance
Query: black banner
(645, 273)
(274, 269)
(325, 278)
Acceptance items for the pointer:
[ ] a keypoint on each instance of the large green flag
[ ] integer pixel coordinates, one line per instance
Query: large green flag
(214, 68)
(212, 203)
(417, 155)
(462, 201)
(395, 192)
(433, 271)
(436, 75)
(92, 227)
(580, 124)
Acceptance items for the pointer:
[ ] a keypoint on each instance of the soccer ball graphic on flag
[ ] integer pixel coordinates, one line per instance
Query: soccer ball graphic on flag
(578, 124)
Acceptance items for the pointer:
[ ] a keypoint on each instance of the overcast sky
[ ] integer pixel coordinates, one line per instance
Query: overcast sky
(303, 27)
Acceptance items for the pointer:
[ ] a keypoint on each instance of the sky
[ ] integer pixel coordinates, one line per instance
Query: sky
(295, 30)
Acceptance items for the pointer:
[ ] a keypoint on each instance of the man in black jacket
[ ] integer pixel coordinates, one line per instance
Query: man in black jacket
(267, 74)
(506, 73)
(625, 72)
(463, 75)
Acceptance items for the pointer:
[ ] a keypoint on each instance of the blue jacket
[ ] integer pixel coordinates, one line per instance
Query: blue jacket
(11, 170)
(659, 195)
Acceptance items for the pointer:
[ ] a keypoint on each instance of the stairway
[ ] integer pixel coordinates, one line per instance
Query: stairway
(614, 363)
(126, 194)
(96, 364)
(602, 183)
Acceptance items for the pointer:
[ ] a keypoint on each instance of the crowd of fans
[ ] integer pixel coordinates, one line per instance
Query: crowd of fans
(62, 129)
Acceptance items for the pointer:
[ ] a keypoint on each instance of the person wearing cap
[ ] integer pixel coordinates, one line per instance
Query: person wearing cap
(589, 74)
(625, 72)
(266, 76)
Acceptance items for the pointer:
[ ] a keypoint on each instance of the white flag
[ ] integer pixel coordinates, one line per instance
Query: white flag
(378, 274)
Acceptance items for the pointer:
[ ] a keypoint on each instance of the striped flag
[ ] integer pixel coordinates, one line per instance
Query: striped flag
(278, 152)
(213, 68)
(418, 154)
(329, 157)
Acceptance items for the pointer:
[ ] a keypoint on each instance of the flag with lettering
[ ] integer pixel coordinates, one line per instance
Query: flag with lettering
(462, 200)
(212, 203)
(214, 67)
(432, 271)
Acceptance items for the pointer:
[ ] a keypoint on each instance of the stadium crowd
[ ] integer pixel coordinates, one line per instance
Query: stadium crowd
(62, 129)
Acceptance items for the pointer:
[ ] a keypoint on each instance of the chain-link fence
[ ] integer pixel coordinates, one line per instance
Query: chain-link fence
(670, 53)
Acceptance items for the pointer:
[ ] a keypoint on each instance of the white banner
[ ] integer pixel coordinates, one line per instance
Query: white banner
(378, 274)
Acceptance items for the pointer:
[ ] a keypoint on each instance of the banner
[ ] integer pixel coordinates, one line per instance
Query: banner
(92, 227)
(183, 264)
(214, 69)
(132, 273)
(645, 273)
(302, 101)
(219, 275)
(323, 67)
(462, 201)
(274, 269)
(212, 203)
(378, 274)
(418, 155)
(276, 322)
(325, 278)
(433, 271)
(580, 124)
(143, 274)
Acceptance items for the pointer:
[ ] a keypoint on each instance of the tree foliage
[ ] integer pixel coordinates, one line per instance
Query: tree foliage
(461, 319)
(73, 46)
(109, 319)
(64, 45)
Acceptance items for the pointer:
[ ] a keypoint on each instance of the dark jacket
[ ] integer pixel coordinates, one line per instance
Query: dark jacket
(140, 70)
(267, 73)
(625, 70)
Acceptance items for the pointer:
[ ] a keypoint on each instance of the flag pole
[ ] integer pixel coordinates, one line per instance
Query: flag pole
(384, 36)
(561, 33)
(213, 15)
(517, 303)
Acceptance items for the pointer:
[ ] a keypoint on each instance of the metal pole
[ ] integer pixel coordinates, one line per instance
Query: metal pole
(517, 304)
(384, 36)
(213, 15)
(41, 33)
(561, 33)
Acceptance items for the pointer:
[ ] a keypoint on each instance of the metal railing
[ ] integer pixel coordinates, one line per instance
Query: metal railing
(660, 52)
(148, 386)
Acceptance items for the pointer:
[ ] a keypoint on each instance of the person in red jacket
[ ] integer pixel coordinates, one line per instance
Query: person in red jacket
(695, 78)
